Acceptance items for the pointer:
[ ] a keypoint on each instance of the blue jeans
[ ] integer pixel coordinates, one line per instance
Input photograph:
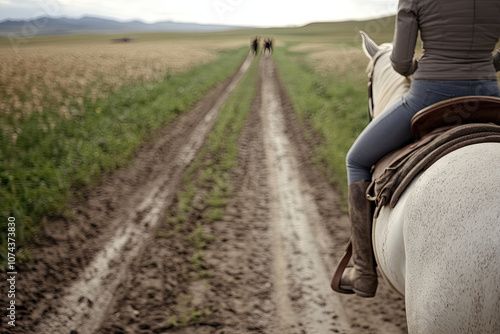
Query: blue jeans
(391, 129)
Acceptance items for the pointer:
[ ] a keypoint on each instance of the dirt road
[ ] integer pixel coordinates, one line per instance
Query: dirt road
(269, 265)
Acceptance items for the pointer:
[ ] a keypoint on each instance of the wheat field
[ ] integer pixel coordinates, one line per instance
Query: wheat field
(75, 107)
(34, 79)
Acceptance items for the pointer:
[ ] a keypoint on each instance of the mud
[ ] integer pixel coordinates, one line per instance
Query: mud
(267, 270)
(79, 263)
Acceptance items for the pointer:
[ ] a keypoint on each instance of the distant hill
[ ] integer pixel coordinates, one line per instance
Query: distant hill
(94, 25)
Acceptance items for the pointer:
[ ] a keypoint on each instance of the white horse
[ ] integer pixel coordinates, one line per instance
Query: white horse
(440, 245)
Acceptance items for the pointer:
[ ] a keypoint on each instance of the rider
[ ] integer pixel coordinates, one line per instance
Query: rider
(458, 38)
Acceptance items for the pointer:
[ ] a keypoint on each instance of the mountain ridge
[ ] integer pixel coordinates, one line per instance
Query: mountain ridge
(45, 25)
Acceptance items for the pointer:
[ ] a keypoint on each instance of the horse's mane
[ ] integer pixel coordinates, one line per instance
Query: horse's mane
(383, 48)
(388, 85)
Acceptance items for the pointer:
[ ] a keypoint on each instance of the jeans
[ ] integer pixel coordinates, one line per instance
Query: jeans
(391, 129)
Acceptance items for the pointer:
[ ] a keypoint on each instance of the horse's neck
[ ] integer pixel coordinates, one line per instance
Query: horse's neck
(388, 85)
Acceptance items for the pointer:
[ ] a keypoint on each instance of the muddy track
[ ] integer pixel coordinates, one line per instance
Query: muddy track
(270, 262)
(321, 237)
(274, 252)
(80, 263)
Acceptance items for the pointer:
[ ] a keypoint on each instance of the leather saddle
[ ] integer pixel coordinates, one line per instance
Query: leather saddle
(454, 112)
(438, 130)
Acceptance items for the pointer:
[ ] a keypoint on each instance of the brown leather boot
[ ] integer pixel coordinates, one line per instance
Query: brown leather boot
(362, 279)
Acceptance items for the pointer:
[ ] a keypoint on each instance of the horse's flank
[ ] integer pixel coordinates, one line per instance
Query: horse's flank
(439, 246)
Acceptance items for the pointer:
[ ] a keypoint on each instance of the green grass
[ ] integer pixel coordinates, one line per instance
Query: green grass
(54, 158)
(335, 104)
(208, 177)
(210, 170)
(185, 313)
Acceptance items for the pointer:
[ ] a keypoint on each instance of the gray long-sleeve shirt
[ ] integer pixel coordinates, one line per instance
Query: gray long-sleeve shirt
(458, 37)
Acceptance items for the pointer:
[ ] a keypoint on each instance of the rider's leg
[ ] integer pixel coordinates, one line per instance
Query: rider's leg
(362, 278)
(387, 132)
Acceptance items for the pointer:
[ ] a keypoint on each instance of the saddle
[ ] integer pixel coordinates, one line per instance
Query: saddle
(438, 130)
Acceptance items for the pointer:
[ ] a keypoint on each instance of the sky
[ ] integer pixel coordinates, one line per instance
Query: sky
(261, 13)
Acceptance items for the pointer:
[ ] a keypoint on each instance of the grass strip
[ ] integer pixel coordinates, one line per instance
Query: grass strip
(52, 158)
(207, 189)
(206, 182)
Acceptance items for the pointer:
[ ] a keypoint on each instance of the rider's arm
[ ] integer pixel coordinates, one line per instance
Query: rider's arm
(496, 60)
(405, 39)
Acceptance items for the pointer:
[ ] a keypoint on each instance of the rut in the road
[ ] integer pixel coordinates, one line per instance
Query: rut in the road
(310, 231)
(274, 251)
(268, 269)
(327, 230)
(83, 304)
(301, 279)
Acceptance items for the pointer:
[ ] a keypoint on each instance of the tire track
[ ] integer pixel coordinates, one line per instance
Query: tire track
(83, 304)
(300, 275)
(309, 233)
(273, 257)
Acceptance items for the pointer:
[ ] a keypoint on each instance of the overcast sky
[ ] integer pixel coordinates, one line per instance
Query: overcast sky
(231, 12)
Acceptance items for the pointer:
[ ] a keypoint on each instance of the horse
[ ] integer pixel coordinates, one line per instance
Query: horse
(268, 45)
(439, 246)
(255, 45)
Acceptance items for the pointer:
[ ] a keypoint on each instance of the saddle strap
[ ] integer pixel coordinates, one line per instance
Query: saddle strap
(431, 156)
(340, 270)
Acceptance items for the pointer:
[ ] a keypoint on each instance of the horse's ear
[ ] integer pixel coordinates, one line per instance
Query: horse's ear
(369, 46)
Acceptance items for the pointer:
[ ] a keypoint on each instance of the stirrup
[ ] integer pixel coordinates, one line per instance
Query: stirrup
(337, 276)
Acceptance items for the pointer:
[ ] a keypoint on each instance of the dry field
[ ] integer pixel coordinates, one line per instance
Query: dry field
(336, 60)
(73, 107)
(34, 78)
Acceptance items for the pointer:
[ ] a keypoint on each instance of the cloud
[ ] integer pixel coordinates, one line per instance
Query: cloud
(234, 12)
